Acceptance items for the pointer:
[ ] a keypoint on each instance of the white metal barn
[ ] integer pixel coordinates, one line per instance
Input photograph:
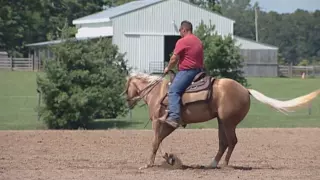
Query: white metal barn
(147, 30)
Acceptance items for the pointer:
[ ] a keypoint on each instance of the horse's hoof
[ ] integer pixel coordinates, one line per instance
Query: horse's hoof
(145, 166)
(214, 164)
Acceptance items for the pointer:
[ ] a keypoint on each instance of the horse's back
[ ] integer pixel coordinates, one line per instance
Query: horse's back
(224, 84)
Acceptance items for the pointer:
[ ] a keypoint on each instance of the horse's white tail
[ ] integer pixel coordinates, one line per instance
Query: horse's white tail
(285, 106)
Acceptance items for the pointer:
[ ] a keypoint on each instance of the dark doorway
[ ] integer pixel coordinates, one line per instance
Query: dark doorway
(169, 44)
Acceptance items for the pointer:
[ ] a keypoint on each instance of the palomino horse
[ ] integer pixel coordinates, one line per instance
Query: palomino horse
(207, 98)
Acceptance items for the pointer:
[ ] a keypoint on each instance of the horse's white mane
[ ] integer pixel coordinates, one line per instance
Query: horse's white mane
(147, 77)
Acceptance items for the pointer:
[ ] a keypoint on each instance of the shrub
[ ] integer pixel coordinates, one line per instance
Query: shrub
(84, 80)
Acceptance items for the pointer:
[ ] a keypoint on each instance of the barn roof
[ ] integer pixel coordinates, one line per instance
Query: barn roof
(250, 44)
(106, 15)
(48, 43)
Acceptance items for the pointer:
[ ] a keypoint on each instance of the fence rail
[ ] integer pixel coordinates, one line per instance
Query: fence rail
(33, 64)
(16, 64)
(298, 71)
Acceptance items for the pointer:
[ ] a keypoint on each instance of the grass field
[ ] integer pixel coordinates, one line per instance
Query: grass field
(18, 100)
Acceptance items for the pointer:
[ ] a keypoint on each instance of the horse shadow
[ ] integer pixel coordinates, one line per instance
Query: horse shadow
(201, 167)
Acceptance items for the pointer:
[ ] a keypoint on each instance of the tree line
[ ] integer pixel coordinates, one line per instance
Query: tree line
(296, 34)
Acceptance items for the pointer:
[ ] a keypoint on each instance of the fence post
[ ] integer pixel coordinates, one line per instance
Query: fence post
(39, 102)
(11, 63)
(309, 108)
(290, 70)
(130, 115)
(313, 71)
(32, 56)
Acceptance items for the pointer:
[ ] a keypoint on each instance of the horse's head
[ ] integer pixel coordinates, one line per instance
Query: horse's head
(132, 92)
(135, 86)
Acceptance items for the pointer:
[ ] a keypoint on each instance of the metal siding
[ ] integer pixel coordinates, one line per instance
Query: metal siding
(152, 53)
(184, 11)
(144, 53)
(158, 18)
(132, 50)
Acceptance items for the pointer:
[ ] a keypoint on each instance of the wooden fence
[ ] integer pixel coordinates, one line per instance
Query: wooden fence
(19, 64)
(33, 64)
(298, 71)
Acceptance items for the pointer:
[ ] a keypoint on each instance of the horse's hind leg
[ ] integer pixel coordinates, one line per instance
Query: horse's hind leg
(161, 131)
(232, 141)
(223, 144)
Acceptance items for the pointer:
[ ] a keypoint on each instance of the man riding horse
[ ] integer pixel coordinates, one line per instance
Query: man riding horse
(222, 98)
(188, 53)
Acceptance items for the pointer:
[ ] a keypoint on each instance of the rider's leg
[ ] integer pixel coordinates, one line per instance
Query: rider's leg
(180, 83)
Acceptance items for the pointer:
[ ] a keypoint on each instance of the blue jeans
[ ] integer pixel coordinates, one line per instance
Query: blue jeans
(180, 83)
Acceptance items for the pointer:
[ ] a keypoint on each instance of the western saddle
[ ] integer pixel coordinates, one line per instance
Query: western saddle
(200, 90)
(200, 82)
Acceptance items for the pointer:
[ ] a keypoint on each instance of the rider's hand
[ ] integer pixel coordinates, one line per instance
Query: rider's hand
(166, 70)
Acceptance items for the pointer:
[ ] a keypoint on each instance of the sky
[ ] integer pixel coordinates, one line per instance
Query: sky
(288, 6)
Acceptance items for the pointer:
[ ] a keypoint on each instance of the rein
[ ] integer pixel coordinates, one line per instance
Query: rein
(152, 85)
(138, 98)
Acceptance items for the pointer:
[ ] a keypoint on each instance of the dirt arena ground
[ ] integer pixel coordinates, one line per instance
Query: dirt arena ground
(117, 154)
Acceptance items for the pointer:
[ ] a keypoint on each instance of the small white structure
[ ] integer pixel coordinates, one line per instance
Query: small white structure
(147, 30)
(260, 59)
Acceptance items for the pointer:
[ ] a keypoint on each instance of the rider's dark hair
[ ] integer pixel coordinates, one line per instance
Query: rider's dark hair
(186, 25)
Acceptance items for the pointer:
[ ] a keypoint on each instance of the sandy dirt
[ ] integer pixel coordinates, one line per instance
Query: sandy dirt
(117, 154)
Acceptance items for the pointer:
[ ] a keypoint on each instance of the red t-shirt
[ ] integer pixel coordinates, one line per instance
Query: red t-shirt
(190, 51)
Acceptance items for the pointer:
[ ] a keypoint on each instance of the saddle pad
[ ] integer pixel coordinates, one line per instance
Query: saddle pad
(188, 98)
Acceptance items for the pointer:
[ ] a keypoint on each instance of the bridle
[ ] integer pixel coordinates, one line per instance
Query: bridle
(136, 99)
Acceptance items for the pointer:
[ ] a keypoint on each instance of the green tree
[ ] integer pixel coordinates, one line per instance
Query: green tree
(29, 21)
(19, 22)
(83, 80)
(211, 5)
(243, 13)
(222, 57)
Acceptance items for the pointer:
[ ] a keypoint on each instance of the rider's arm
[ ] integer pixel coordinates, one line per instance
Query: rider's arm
(177, 50)
(173, 61)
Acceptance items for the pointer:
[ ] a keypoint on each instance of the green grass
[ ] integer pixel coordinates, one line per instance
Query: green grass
(18, 100)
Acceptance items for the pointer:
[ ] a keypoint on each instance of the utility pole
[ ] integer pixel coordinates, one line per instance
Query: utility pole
(256, 22)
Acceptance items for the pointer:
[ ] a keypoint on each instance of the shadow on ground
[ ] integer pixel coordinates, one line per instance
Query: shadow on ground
(200, 167)
(111, 124)
(176, 163)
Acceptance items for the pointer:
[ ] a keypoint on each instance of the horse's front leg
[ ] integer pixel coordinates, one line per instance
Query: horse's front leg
(161, 131)
(155, 144)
